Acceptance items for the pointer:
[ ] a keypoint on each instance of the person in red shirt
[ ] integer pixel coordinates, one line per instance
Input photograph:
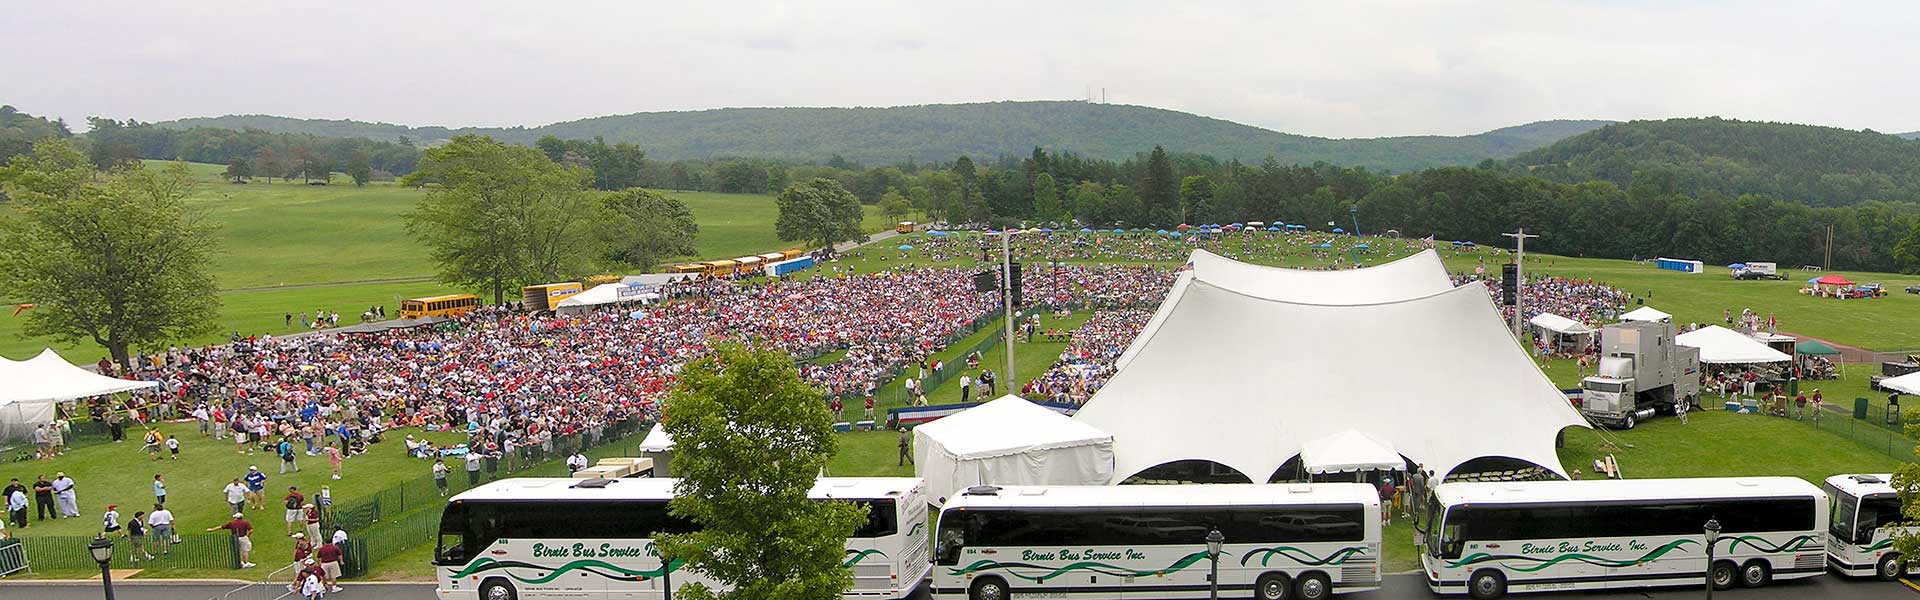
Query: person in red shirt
(241, 529)
(329, 565)
(302, 550)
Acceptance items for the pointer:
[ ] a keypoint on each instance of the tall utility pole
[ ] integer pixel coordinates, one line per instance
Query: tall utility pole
(1519, 274)
(1006, 291)
(1826, 263)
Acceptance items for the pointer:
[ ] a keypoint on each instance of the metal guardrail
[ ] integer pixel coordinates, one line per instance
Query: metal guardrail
(13, 557)
(275, 586)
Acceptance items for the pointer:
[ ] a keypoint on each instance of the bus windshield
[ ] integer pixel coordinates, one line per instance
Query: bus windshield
(1841, 515)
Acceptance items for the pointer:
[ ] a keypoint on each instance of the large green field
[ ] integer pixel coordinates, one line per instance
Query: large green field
(289, 247)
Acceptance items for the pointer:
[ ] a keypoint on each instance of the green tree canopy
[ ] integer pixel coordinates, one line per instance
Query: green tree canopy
(359, 167)
(1046, 199)
(750, 437)
(657, 227)
(818, 212)
(114, 258)
(894, 206)
(499, 216)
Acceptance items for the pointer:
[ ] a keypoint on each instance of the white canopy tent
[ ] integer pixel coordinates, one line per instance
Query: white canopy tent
(1560, 325)
(657, 440)
(29, 389)
(1646, 313)
(1905, 384)
(1009, 441)
(1349, 451)
(1421, 274)
(1719, 345)
(1452, 372)
(606, 293)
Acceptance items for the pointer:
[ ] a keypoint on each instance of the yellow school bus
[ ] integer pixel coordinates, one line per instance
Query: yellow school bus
(546, 295)
(439, 306)
(600, 279)
(721, 268)
(903, 227)
(694, 268)
(791, 254)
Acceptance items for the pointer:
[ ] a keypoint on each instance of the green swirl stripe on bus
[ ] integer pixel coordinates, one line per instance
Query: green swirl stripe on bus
(1101, 568)
(1301, 556)
(855, 556)
(1758, 543)
(597, 567)
(915, 530)
(1543, 563)
(1880, 545)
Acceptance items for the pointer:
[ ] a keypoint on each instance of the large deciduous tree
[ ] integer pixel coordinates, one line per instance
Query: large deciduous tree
(117, 259)
(657, 227)
(750, 437)
(1159, 193)
(1046, 199)
(894, 206)
(818, 212)
(360, 167)
(499, 216)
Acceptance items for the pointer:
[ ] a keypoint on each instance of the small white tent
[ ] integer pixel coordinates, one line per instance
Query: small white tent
(1010, 441)
(606, 293)
(659, 447)
(1559, 324)
(29, 389)
(1349, 451)
(1646, 313)
(1719, 345)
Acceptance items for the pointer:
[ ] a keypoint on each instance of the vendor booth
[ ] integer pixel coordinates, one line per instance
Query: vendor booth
(1567, 335)
(1719, 345)
(1009, 441)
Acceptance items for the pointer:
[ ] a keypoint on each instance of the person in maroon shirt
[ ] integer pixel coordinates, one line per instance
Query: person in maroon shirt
(241, 529)
(330, 564)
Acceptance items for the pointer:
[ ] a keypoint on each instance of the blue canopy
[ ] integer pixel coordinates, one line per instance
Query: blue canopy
(1045, 230)
(1361, 246)
(1737, 266)
(1324, 245)
(1339, 230)
(1085, 230)
(1177, 234)
(906, 246)
(1296, 226)
(1119, 231)
(1239, 224)
(1161, 231)
(936, 233)
(1273, 229)
(1815, 280)
(1469, 244)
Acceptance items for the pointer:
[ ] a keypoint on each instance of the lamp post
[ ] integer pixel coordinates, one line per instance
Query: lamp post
(1214, 540)
(1353, 253)
(102, 550)
(1713, 538)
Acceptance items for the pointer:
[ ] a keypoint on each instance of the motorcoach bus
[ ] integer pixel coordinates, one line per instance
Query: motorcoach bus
(1863, 509)
(1303, 541)
(593, 538)
(1494, 538)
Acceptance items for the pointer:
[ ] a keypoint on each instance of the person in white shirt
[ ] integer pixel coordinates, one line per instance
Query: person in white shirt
(576, 462)
(236, 495)
(68, 502)
(161, 521)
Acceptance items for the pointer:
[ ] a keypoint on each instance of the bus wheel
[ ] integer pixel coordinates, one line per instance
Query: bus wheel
(1487, 585)
(1721, 575)
(1313, 586)
(1889, 568)
(1272, 586)
(989, 588)
(1755, 573)
(497, 589)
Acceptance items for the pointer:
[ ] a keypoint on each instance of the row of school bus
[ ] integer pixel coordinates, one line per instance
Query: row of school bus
(593, 538)
(545, 296)
(745, 266)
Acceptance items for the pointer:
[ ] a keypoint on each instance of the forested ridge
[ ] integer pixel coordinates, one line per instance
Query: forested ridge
(1822, 166)
(938, 132)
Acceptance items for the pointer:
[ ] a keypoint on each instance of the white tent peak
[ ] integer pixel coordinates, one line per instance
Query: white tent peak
(1646, 313)
(1348, 451)
(1559, 324)
(1719, 345)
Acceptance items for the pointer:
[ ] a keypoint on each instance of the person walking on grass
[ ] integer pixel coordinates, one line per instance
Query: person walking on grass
(236, 495)
(151, 443)
(906, 447)
(256, 487)
(64, 496)
(159, 489)
(330, 555)
(333, 460)
(440, 475)
(295, 514)
(173, 447)
(242, 532)
(110, 522)
(137, 536)
(160, 522)
(17, 507)
(312, 514)
(285, 449)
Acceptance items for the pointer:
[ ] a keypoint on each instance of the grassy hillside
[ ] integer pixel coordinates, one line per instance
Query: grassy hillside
(942, 131)
(1816, 165)
(288, 247)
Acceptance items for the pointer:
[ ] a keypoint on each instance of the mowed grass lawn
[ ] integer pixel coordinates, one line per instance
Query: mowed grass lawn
(121, 474)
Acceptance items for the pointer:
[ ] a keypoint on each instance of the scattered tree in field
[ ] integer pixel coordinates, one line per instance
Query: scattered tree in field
(360, 168)
(749, 439)
(267, 163)
(818, 212)
(238, 170)
(499, 216)
(314, 166)
(114, 258)
(1046, 199)
(894, 206)
(657, 227)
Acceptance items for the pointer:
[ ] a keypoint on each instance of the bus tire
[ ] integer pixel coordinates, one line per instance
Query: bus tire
(497, 589)
(1313, 585)
(1756, 573)
(1889, 568)
(1487, 584)
(1273, 586)
(1722, 575)
(989, 588)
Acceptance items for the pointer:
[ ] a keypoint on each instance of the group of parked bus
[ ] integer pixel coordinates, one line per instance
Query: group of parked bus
(593, 538)
(745, 266)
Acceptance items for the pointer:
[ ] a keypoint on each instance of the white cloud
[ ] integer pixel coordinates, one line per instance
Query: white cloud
(1343, 69)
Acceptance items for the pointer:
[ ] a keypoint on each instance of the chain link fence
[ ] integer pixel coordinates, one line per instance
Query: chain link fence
(1873, 432)
(194, 551)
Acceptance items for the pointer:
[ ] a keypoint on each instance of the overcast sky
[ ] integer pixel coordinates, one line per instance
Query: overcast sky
(1339, 69)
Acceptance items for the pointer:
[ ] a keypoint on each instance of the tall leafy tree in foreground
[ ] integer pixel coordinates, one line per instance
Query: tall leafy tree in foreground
(818, 212)
(115, 258)
(498, 216)
(749, 439)
(656, 227)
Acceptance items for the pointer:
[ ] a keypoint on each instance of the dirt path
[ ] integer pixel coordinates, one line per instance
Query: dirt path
(1853, 354)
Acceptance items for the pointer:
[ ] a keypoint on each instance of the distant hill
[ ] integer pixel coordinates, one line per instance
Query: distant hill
(1822, 166)
(940, 132)
(1911, 135)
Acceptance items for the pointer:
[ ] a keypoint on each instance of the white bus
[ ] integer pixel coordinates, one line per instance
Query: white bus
(593, 538)
(1282, 541)
(1860, 540)
(1562, 535)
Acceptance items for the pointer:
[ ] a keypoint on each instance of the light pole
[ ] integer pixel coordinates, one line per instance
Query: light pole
(1519, 274)
(102, 550)
(666, 578)
(1713, 538)
(1214, 540)
(1006, 281)
(1353, 252)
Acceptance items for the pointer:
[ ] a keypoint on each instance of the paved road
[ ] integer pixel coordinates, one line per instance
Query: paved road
(1398, 587)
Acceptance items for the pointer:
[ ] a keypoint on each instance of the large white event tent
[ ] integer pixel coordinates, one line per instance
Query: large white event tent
(1243, 381)
(1905, 384)
(1349, 451)
(1421, 274)
(1721, 346)
(605, 293)
(1646, 313)
(1009, 441)
(30, 388)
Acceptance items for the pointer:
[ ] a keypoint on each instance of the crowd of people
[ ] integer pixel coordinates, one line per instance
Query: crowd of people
(1088, 359)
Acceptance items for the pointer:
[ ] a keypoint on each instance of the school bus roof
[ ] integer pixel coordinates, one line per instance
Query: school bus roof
(446, 297)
